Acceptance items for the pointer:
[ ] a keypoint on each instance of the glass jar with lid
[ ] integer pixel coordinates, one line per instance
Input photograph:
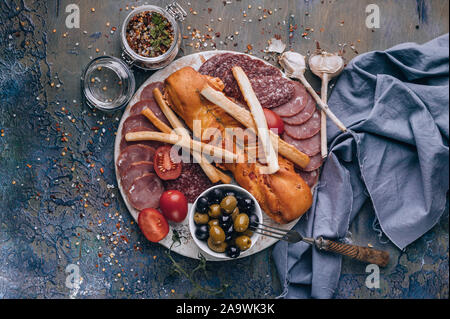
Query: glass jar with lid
(107, 83)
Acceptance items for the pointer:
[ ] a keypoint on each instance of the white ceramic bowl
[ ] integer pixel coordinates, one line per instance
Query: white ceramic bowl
(203, 244)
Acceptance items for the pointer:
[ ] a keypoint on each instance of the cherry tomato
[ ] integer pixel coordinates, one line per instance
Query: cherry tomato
(173, 205)
(274, 121)
(166, 167)
(153, 224)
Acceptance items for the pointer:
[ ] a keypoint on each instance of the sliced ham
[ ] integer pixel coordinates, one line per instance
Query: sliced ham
(134, 171)
(305, 130)
(133, 154)
(309, 146)
(137, 121)
(145, 192)
(147, 92)
(296, 104)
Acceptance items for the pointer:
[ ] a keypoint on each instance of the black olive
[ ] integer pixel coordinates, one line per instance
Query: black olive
(246, 205)
(225, 220)
(215, 196)
(228, 229)
(202, 205)
(202, 232)
(254, 220)
(232, 251)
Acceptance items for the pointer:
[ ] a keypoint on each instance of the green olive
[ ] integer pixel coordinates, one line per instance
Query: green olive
(243, 242)
(213, 222)
(235, 213)
(241, 223)
(214, 211)
(201, 219)
(228, 204)
(217, 234)
(218, 248)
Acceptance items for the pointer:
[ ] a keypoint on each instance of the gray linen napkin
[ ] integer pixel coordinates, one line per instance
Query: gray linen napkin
(395, 153)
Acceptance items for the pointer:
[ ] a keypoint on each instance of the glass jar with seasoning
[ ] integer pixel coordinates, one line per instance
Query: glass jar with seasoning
(150, 39)
(151, 36)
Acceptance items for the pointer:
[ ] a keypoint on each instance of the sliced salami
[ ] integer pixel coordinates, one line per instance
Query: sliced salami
(296, 104)
(271, 90)
(134, 171)
(147, 92)
(221, 65)
(302, 116)
(192, 181)
(145, 192)
(133, 154)
(124, 143)
(314, 163)
(306, 130)
(309, 146)
(310, 178)
(136, 121)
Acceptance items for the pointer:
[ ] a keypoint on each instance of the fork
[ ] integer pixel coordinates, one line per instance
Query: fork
(364, 254)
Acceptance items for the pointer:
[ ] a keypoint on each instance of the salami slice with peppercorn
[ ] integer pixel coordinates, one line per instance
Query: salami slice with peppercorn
(296, 104)
(145, 192)
(309, 146)
(305, 130)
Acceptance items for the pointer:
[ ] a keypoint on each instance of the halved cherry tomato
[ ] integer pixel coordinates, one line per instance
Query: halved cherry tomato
(153, 224)
(173, 205)
(274, 121)
(166, 167)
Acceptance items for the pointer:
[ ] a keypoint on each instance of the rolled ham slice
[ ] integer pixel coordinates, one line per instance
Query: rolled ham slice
(145, 192)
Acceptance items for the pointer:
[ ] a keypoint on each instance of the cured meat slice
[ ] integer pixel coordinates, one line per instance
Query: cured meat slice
(314, 163)
(145, 192)
(306, 130)
(147, 92)
(137, 108)
(309, 146)
(134, 171)
(124, 143)
(133, 154)
(272, 90)
(302, 116)
(136, 121)
(220, 66)
(296, 104)
(310, 178)
(192, 181)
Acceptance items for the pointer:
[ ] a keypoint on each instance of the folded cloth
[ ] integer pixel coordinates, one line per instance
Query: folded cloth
(396, 107)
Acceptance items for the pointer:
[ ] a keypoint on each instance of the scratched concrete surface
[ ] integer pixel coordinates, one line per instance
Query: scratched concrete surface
(57, 207)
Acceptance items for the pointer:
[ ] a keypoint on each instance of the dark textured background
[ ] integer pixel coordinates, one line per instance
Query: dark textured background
(58, 208)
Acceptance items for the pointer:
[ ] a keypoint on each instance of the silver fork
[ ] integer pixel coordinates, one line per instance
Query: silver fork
(364, 254)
